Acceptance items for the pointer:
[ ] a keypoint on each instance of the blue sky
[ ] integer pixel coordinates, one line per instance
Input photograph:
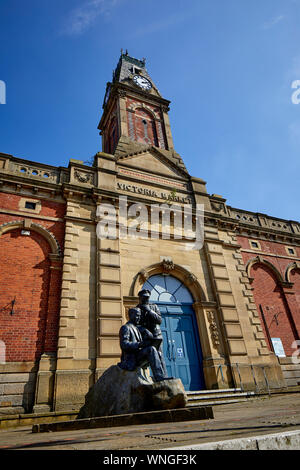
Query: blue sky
(226, 65)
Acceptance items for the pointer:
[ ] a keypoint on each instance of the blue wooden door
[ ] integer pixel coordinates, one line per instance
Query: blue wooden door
(181, 345)
(182, 351)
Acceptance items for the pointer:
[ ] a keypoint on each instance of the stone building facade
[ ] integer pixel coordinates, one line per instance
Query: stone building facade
(65, 291)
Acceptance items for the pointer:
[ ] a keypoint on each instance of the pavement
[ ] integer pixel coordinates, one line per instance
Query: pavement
(240, 422)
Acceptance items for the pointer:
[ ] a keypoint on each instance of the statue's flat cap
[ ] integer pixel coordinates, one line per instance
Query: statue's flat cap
(144, 293)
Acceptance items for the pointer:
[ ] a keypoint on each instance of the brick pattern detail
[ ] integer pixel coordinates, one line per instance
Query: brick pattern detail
(48, 209)
(267, 292)
(295, 279)
(280, 304)
(31, 274)
(145, 123)
(26, 275)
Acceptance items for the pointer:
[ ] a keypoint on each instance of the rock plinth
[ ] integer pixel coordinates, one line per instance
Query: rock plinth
(121, 391)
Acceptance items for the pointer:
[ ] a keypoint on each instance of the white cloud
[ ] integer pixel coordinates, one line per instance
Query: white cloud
(81, 18)
(273, 21)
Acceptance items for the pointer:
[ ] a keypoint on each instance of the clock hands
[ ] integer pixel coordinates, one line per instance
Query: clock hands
(142, 82)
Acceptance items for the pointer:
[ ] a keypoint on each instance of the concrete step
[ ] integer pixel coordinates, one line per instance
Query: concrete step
(200, 398)
(213, 397)
(218, 391)
(214, 403)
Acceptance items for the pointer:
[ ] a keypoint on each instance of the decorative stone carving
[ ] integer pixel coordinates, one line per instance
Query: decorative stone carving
(167, 266)
(213, 329)
(217, 206)
(84, 177)
(190, 278)
(143, 275)
(121, 93)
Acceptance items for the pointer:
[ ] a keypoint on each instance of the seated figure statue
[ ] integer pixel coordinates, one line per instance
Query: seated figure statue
(137, 350)
(151, 320)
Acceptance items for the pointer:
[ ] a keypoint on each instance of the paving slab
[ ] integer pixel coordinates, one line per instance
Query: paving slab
(256, 417)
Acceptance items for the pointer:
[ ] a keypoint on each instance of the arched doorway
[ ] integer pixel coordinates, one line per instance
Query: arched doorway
(273, 311)
(181, 345)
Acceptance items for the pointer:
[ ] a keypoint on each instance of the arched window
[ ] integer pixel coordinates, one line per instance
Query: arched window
(168, 289)
(145, 127)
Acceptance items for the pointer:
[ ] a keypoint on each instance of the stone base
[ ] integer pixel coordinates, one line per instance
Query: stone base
(149, 417)
(41, 409)
(120, 392)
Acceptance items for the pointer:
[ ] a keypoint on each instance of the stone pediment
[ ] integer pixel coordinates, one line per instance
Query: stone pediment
(162, 162)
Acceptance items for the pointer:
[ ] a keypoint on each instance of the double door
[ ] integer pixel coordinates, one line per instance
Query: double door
(181, 345)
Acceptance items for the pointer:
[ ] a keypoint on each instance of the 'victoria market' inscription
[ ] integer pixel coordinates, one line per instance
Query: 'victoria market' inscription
(149, 192)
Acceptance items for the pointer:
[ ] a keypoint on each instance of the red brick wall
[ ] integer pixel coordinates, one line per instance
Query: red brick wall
(25, 275)
(142, 126)
(29, 275)
(295, 279)
(48, 209)
(280, 303)
(145, 129)
(268, 294)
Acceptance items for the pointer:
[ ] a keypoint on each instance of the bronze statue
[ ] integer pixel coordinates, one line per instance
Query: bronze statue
(151, 321)
(137, 348)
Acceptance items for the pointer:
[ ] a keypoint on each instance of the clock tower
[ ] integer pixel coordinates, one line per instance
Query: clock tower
(135, 115)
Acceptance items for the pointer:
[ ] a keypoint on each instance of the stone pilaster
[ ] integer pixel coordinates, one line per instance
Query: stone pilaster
(77, 328)
(228, 315)
(109, 303)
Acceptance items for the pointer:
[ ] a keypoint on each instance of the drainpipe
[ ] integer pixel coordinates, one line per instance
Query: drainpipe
(266, 328)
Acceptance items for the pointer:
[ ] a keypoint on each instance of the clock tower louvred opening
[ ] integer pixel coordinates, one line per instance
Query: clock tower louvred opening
(135, 115)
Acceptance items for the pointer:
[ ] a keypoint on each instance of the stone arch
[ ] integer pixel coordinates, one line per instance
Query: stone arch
(134, 106)
(270, 266)
(168, 267)
(268, 287)
(37, 310)
(25, 224)
(290, 267)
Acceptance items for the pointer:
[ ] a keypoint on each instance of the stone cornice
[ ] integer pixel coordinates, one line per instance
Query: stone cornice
(18, 174)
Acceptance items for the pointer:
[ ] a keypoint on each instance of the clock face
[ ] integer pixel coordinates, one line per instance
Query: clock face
(142, 82)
